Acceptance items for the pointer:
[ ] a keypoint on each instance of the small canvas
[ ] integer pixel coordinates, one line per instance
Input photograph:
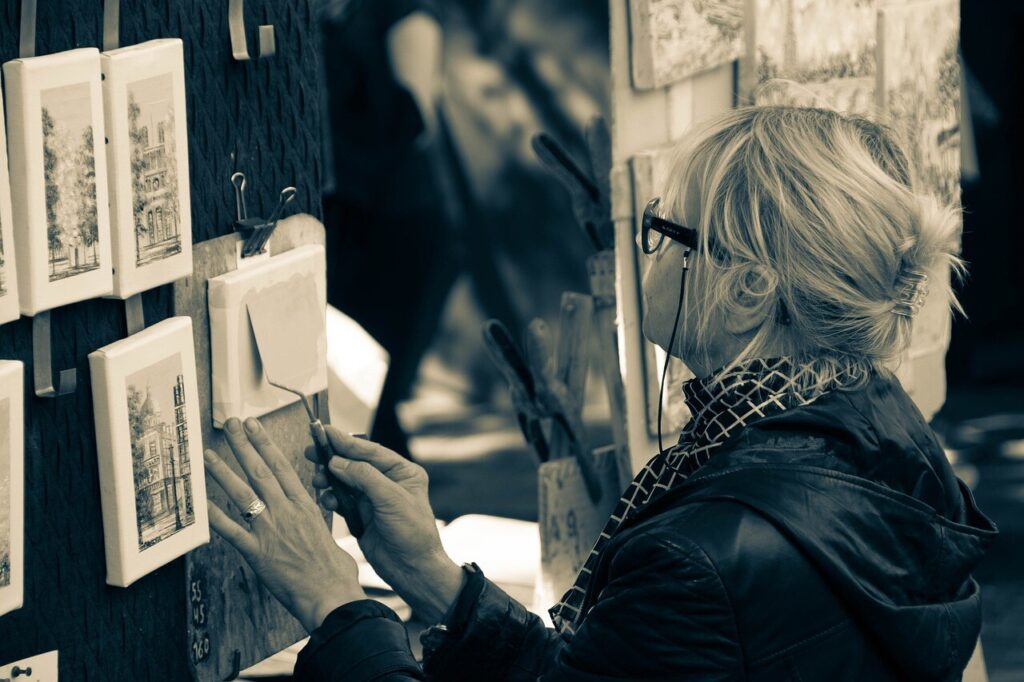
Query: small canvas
(147, 163)
(673, 39)
(150, 449)
(808, 41)
(12, 486)
(240, 387)
(9, 304)
(58, 179)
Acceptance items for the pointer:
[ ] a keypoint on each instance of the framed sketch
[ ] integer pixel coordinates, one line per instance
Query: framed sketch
(58, 179)
(147, 163)
(150, 449)
(673, 39)
(9, 304)
(240, 387)
(12, 486)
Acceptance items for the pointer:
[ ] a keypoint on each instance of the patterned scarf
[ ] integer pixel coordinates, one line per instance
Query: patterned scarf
(720, 406)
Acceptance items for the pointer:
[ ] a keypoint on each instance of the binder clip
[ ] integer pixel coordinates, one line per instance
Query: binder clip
(256, 231)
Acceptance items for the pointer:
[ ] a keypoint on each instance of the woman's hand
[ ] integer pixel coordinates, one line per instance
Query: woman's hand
(288, 545)
(400, 540)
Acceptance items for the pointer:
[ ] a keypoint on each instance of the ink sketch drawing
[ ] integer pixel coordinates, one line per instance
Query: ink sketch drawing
(154, 169)
(160, 458)
(69, 168)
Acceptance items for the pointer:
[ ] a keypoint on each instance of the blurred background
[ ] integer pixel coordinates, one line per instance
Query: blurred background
(441, 216)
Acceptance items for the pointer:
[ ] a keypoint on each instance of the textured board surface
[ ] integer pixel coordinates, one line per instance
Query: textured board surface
(673, 39)
(262, 118)
(229, 611)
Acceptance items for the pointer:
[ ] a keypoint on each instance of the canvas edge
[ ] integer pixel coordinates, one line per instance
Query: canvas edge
(12, 386)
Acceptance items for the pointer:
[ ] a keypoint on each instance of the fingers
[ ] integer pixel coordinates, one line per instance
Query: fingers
(262, 478)
(364, 477)
(237, 490)
(228, 529)
(387, 461)
(275, 459)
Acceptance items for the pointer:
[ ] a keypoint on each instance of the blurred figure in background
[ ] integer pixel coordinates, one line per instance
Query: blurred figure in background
(389, 247)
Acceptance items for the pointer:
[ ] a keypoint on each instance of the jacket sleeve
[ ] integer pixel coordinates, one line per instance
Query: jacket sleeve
(663, 614)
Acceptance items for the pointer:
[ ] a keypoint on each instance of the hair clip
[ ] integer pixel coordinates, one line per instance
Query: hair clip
(911, 292)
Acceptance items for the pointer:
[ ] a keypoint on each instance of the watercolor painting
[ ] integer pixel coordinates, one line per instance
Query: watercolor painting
(155, 204)
(919, 88)
(69, 167)
(157, 420)
(673, 39)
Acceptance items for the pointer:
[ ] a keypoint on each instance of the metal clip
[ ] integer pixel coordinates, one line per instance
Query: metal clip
(42, 362)
(27, 30)
(239, 43)
(256, 231)
(134, 315)
(111, 24)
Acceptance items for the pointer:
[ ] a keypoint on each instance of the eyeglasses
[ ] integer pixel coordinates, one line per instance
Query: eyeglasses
(655, 229)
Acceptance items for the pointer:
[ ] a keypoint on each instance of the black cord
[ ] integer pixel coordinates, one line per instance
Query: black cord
(671, 345)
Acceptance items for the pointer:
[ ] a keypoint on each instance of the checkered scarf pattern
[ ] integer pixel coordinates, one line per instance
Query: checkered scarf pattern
(720, 406)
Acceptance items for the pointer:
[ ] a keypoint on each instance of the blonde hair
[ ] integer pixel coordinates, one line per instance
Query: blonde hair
(815, 217)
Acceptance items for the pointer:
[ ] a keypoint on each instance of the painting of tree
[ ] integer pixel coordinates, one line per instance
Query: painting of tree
(69, 166)
(136, 138)
(53, 232)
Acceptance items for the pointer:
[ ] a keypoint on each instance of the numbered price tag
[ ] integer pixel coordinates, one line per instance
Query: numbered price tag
(569, 522)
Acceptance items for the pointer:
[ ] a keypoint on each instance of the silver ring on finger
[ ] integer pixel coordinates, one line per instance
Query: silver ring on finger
(256, 508)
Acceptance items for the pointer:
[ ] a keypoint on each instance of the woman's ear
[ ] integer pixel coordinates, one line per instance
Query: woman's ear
(750, 301)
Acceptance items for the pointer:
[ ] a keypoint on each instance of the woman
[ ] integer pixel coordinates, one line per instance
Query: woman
(807, 525)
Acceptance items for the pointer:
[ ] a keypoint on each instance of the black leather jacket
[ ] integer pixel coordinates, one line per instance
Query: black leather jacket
(828, 542)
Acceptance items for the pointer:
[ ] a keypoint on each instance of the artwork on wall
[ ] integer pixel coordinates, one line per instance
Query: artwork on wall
(846, 95)
(147, 161)
(919, 87)
(673, 39)
(58, 179)
(12, 486)
(150, 449)
(9, 304)
(240, 388)
(651, 171)
(808, 41)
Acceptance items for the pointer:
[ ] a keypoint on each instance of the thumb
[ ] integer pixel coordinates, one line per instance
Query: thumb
(380, 490)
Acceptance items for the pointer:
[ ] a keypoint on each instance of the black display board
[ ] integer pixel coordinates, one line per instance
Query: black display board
(261, 117)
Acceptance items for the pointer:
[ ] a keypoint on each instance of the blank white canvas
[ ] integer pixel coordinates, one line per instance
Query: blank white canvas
(240, 387)
(150, 212)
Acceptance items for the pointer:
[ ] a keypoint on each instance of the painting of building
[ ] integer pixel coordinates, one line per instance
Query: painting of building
(69, 168)
(160, 456)
(155, 203)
